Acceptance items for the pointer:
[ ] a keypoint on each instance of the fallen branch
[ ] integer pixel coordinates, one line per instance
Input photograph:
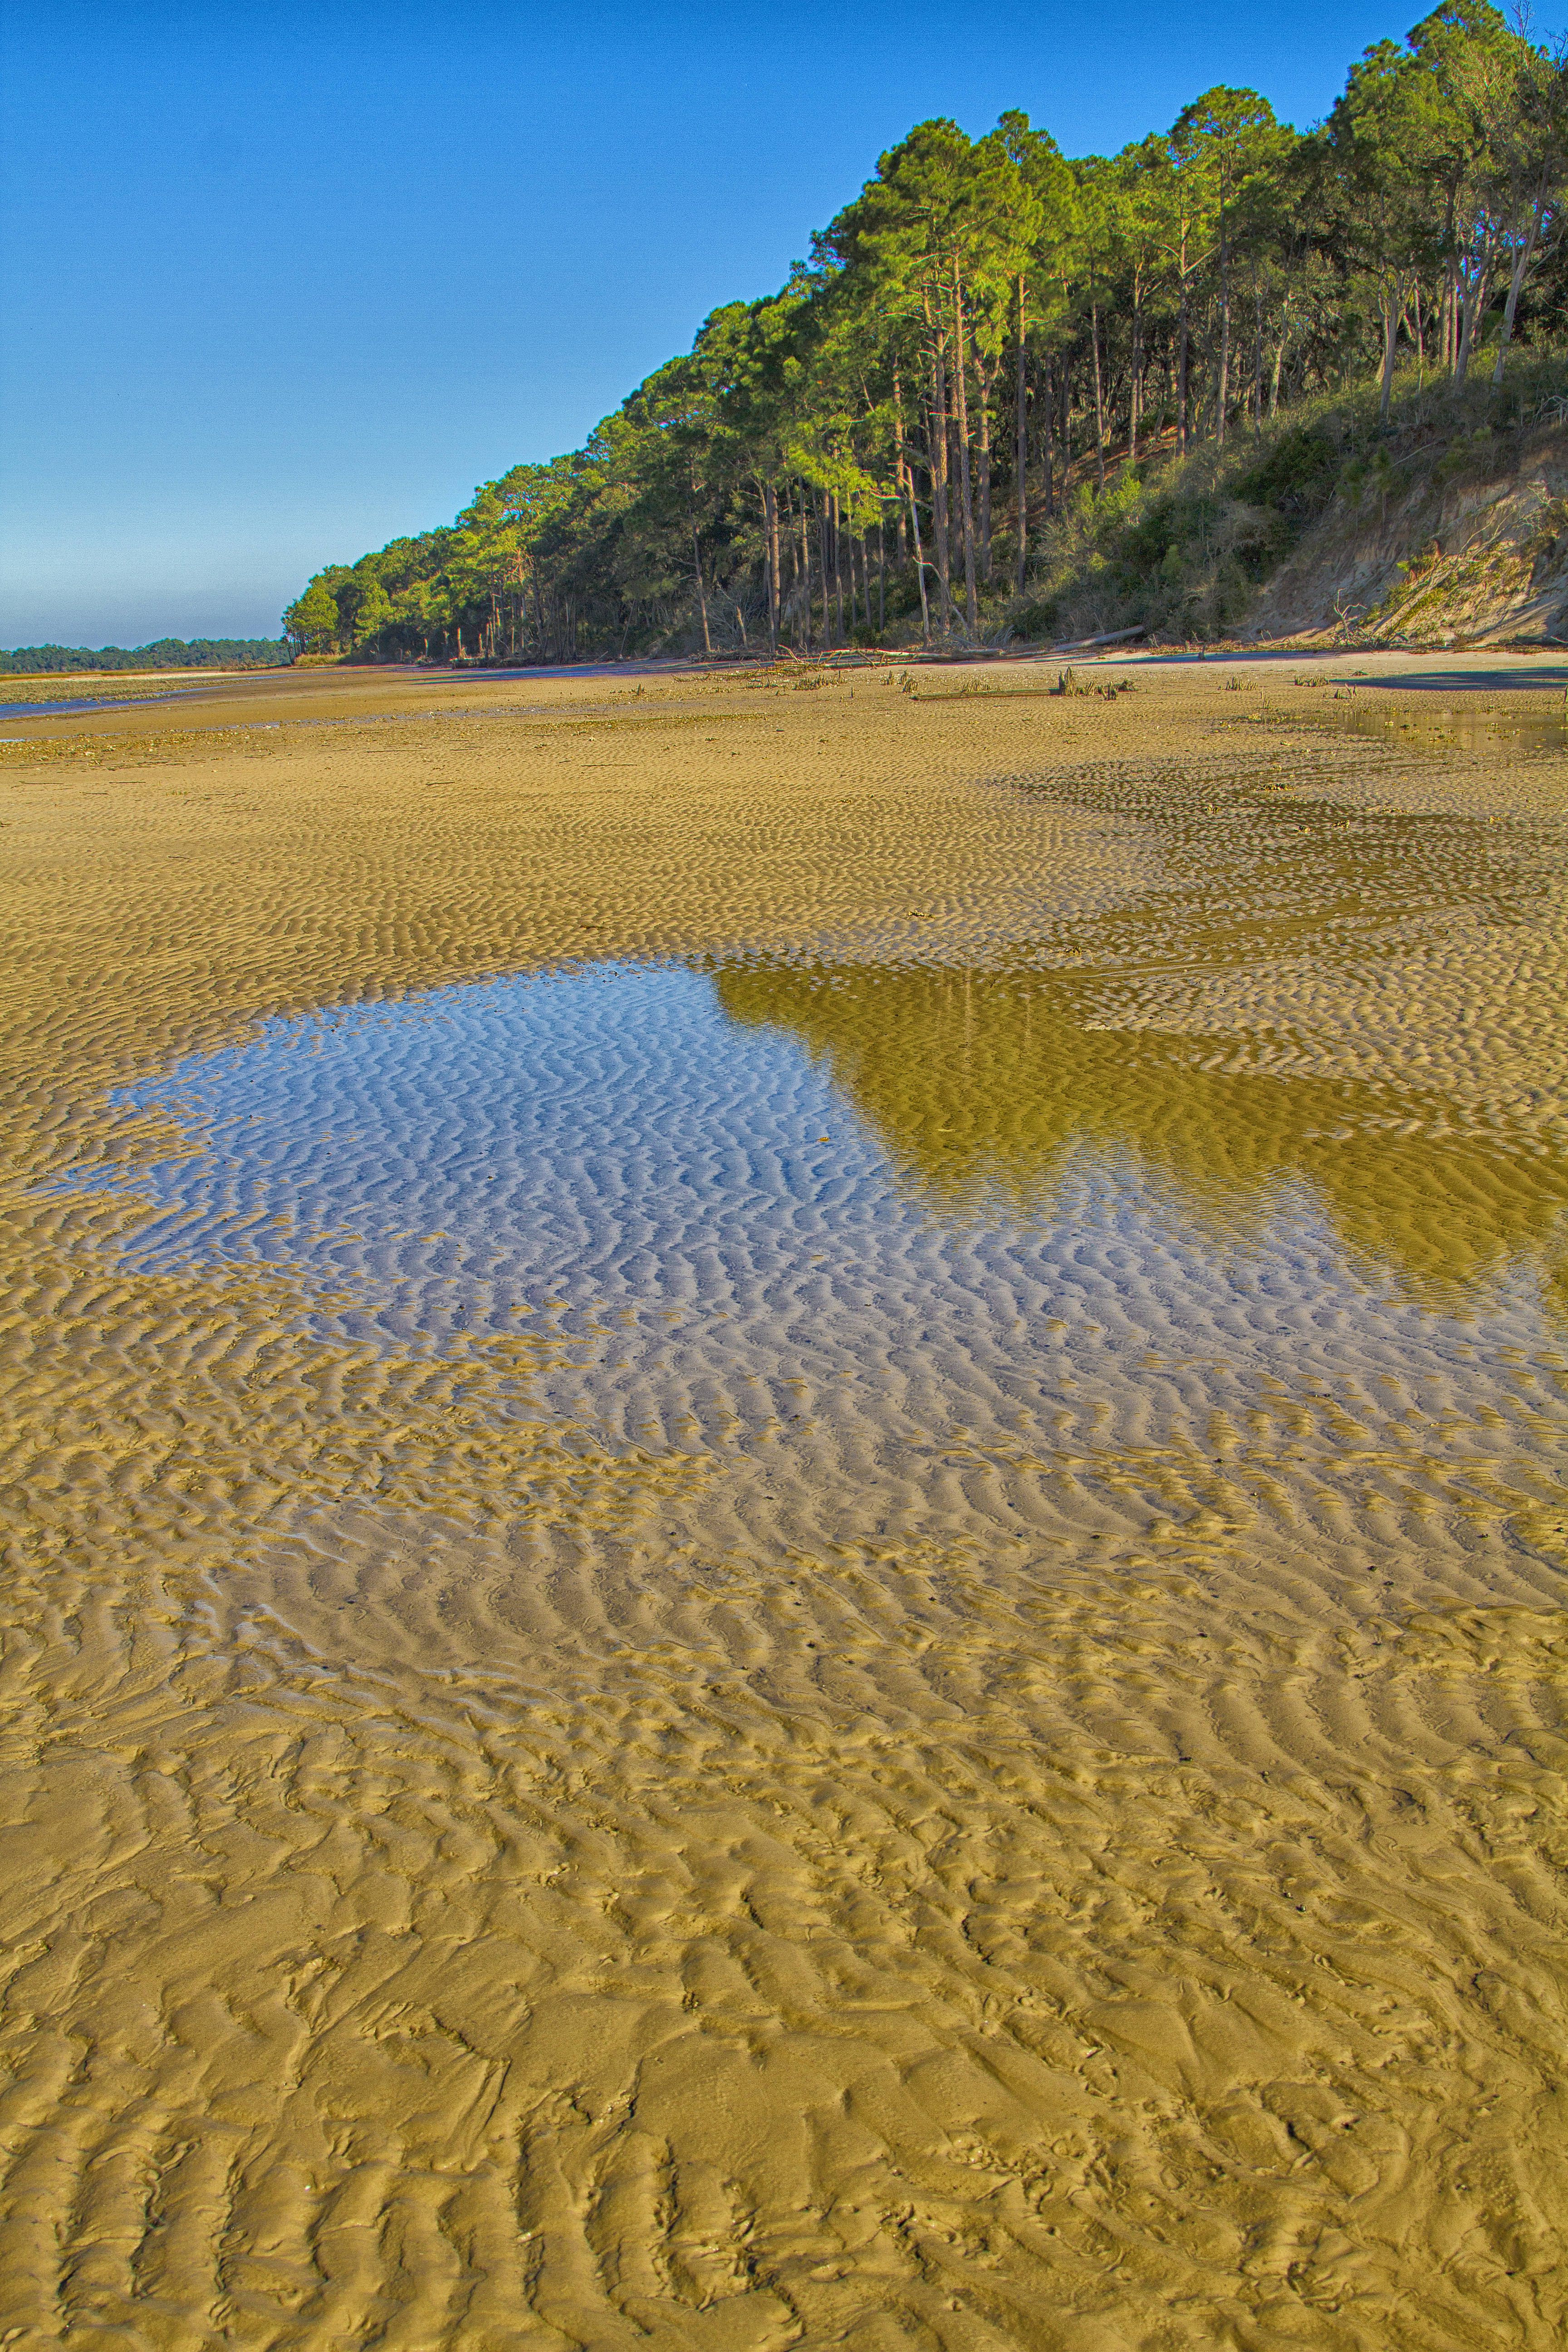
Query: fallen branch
(1112, 638)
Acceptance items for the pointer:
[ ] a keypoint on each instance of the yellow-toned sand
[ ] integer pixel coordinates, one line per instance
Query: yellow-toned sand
(481, 1889)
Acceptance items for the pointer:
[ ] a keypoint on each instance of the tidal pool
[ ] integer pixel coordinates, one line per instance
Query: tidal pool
(902, 1256)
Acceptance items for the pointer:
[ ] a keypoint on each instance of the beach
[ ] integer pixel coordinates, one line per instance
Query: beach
(985, 1769)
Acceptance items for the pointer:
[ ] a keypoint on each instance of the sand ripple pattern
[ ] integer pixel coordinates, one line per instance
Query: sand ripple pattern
(859, 1644)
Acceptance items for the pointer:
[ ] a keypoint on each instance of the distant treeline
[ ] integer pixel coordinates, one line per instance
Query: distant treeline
(1000, 364)
(165, 653)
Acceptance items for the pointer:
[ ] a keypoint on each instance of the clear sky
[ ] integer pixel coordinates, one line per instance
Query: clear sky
(281, 281)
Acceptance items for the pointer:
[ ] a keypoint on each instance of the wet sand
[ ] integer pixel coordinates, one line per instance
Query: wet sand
(1092, 1881)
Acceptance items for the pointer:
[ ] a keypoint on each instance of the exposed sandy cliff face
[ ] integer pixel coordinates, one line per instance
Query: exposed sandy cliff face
(1473, 549)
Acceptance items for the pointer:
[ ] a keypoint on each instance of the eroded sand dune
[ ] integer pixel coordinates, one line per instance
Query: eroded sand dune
(984, 1768)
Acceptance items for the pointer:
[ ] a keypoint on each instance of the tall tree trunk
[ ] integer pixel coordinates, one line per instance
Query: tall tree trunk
(1135, 387)
(771, 505)
(984, 381)
(919, 557)
(881, 575)
(821, 497)
(696, 564)
(1474, 311)
(1392, 307)
(900, 466)
(797, 629)
(701, 591)
(1021, 444)
(1520, 271)
(838, 568)
(843, 571)
(961, 372)
(1181, 342)
(1222, 395)
(1099, 396)
(805, 574)
(936, 453)
(1048, 413)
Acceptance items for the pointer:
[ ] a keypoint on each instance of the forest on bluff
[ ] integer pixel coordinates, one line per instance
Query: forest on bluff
(1011, 390)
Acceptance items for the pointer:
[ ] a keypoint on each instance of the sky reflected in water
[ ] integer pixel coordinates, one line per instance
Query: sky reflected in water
(891, 1204)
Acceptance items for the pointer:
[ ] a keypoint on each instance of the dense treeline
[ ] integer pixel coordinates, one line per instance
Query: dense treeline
(994, 342)
(164, 653)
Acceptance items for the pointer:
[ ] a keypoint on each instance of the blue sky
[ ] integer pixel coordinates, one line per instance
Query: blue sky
(280, 282)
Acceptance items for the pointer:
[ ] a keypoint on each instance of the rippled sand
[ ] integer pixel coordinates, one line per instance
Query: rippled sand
(983, 1767)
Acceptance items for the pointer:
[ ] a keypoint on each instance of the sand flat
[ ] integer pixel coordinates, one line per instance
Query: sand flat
(555, 1834)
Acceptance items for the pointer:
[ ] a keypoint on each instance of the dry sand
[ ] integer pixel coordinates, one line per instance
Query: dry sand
(472, 1883)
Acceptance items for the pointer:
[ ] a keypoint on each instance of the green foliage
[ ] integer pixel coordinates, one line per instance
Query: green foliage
(373, 616)
(1294, 481)
(313, 623)
(164, 653)
(1011, 393)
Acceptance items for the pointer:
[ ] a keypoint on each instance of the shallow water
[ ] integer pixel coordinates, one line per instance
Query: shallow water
(65, 705)
(1460, 727)
(908, 1255)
